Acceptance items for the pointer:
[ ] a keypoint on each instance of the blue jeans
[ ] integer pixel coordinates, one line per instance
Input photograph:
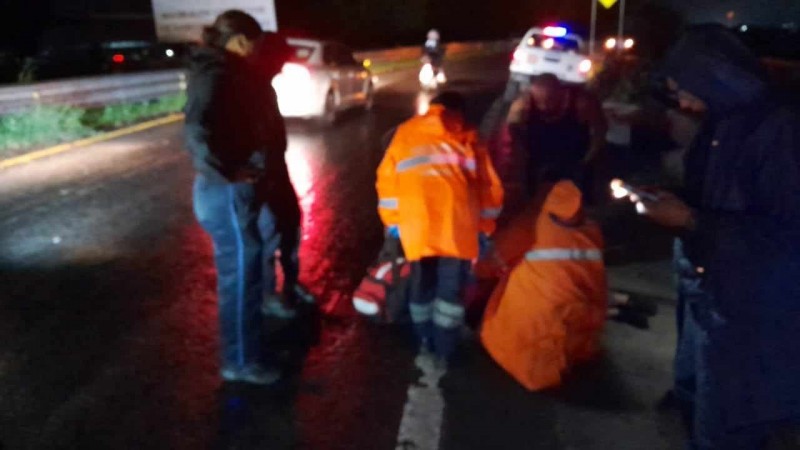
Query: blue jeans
(246, 234)
(436, 304)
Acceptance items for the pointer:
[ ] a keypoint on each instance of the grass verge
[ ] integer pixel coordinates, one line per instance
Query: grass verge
(46, 125)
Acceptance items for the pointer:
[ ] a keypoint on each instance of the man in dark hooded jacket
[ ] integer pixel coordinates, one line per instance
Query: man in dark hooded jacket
(738, 251)
(243, 196)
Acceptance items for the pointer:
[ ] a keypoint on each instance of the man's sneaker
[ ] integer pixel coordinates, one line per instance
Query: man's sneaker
(303, 295)
(253, 374)
(274, 306)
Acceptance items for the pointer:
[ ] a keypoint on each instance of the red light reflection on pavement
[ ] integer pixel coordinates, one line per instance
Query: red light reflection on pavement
(339, 226)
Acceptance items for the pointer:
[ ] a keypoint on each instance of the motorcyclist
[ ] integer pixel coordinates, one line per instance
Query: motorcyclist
(433, 51)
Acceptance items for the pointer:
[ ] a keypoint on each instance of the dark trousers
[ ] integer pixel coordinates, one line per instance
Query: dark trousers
(436, 304)
(698, 406)
(279, 220)
(246, 234)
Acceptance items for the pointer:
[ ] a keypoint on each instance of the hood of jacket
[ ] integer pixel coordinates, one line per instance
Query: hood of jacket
(711, 63)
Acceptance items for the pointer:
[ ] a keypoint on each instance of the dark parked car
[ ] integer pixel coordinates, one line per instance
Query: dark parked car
(103, 58)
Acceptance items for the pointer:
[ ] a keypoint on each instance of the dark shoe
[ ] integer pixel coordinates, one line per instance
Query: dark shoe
(253, 374)
(304, 296)
(668, 402)
(635, 303)
(274, 306)
(632, 318)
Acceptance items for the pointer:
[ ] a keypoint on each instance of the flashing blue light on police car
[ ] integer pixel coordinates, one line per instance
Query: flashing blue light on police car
(555, 31)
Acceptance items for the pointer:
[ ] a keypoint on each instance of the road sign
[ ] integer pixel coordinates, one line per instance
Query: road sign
(183, 20)
(608, 3)
(621, 28)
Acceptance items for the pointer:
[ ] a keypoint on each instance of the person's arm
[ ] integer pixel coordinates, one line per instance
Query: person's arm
(276, 126)
(775, 196)
(490, 189)
(386, 185)
(592, 113)
(201, 95)
(518, 111)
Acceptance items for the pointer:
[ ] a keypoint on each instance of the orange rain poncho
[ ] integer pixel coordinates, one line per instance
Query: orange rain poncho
(438, 185)
(548, 312)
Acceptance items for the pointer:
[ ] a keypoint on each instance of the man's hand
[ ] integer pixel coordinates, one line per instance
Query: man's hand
(668, 210)
(246, 175)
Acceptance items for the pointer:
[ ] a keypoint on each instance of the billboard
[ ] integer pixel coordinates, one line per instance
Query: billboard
(183, 20)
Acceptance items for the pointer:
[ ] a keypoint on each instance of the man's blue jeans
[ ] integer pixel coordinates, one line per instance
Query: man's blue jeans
(246, 234)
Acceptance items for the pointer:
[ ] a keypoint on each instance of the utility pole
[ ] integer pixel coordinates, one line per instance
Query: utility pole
(621, 27)
(593, 33)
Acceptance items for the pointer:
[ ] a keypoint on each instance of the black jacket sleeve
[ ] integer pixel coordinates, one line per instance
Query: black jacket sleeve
(772, 222)
(202, 94)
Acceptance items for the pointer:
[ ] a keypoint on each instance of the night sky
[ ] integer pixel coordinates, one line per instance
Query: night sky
(365, 23)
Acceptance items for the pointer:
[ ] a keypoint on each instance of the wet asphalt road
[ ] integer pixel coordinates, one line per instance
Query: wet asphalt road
(108, 318)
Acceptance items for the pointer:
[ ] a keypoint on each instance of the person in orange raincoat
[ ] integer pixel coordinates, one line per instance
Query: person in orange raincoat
(438, 192)
(548, 311)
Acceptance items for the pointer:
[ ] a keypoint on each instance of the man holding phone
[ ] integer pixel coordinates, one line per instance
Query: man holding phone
(738, 249)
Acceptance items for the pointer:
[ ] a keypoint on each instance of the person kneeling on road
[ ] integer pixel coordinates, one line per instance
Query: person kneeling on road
(438, 191)
(547, 313)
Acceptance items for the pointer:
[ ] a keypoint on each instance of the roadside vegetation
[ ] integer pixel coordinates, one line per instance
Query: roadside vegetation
(47, 125)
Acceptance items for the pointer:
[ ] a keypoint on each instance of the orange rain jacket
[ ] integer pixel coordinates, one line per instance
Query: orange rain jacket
(437, 184)
(548, 312)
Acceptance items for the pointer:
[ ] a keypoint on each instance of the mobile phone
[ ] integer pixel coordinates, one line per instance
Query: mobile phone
(621, 189)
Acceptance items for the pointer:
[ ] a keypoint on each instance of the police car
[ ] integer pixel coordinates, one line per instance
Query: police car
(551, 50)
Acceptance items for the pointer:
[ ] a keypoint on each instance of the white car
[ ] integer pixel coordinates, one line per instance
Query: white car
(551, 50)
(320, 80)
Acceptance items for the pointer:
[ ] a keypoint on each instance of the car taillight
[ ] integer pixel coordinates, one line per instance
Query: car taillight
(519, 55)
(118, 58)
(585, 66)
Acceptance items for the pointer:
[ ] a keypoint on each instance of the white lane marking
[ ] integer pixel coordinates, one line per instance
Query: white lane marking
(421, 425)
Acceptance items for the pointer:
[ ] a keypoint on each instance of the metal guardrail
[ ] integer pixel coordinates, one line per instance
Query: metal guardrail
(93, 91)
(144, 86)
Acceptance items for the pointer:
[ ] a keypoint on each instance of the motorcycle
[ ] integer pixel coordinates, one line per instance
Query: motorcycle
(430, 77)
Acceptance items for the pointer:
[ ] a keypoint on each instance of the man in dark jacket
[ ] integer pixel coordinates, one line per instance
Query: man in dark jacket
(556, 132)
(242, 193)
(738, 251)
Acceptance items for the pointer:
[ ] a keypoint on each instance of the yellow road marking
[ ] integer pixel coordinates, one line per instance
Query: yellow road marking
(61, 148)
